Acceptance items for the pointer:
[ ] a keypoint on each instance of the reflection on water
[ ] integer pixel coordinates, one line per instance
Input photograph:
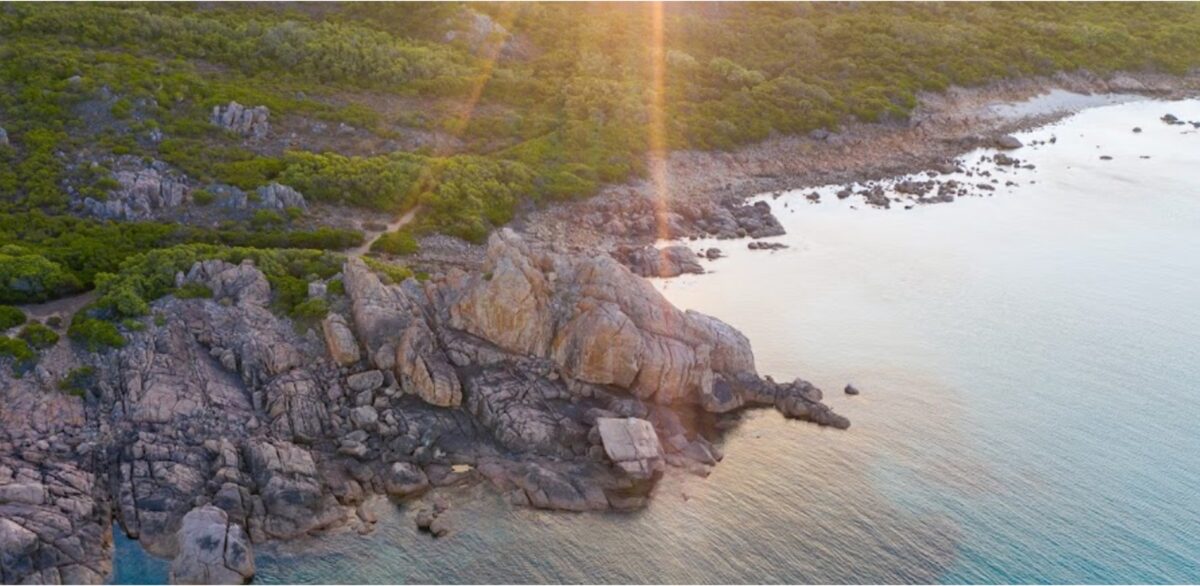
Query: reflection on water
(1028, 364)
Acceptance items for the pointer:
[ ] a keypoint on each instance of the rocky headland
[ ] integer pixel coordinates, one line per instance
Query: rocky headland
(564, 381)
(541, 365)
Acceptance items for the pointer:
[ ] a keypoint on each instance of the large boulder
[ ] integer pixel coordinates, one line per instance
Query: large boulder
(649, 261)
(632, 445)
(343, 347)
(424, 371)
(212, 550)
(380, 313)
(404, 480)
(510, 305)
(1008, 141)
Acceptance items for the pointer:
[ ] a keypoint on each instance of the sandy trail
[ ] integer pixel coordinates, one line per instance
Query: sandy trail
(372, 236)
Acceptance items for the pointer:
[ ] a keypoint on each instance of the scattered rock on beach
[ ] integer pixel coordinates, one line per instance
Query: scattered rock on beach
(1008, 141)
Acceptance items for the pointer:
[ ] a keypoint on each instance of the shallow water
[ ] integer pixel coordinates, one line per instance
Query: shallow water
(1029, 364)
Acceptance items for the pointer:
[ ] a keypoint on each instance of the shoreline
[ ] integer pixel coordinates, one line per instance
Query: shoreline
(944, 126)
(346, 421)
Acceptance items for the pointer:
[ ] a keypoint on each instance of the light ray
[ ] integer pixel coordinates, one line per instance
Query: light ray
(657, 135)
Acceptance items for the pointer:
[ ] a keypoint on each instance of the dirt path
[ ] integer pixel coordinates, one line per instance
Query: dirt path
(372, 236)
(66, 307)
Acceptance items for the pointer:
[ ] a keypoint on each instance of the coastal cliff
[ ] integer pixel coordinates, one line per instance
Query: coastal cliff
(564, 381)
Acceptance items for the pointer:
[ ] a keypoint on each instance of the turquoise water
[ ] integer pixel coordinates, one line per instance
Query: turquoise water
(1030, 368)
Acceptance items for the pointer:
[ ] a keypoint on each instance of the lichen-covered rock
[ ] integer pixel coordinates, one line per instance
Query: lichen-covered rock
(211, 550)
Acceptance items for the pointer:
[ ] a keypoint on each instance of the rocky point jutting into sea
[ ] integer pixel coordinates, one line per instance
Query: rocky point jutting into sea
(564, 381)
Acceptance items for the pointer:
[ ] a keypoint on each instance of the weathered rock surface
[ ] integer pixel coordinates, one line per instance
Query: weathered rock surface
(144, 190)
(551, 376)
(212, 550)
(343, 347)
(632, 445)
(246, 121)
(650, 261)
(277, 196)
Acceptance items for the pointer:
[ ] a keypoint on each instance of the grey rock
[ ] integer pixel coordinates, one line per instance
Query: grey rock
(249, 122)
(405, 480)
(280, 197)
(365, 381)
(340, 341)
(1008, 141)
(632, 445)
(212, 550)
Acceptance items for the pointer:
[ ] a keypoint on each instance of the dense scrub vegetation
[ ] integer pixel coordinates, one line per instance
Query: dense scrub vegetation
(542, 101)
(44, 256)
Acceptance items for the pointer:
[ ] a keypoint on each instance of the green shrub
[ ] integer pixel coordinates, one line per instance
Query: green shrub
(10, 317)
(388, 272)
(315, 308)
(193, 291)
(26, 277)
(335, 287)
(38, 336)
(203, 197)
(400, 242)
(19, 351)
(78, 381)
(264, 218)
(133, 325)
(94, 334)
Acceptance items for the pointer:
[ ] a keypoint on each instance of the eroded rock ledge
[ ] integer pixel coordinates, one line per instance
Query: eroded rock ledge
(566, 382)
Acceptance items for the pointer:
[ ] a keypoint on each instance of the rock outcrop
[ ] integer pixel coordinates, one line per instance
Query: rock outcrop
(277, 196)
(246, 121)
(143, 191)
(550, 376)
(650, 261)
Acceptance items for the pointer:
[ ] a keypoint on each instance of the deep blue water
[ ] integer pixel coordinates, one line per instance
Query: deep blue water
(1030, 367)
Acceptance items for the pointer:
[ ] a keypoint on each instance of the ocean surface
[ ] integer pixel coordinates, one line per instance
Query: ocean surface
(1030, 410)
